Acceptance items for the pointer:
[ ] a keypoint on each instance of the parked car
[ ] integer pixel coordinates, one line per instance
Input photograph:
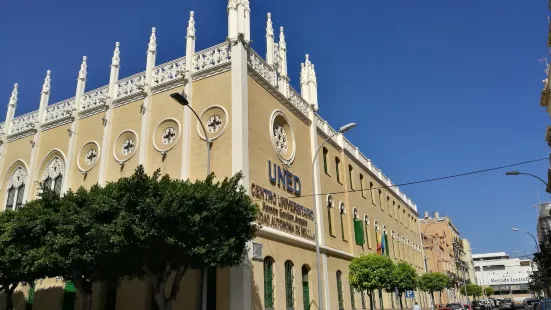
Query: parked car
(544, 304)
(455, 306)
(478, 305)
(506, 304)
(528, 303)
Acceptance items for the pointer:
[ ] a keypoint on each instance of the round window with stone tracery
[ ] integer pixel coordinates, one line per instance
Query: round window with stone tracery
(91, 157)
(128, 146)
(214, 123)
(280, 139)
(169, 135)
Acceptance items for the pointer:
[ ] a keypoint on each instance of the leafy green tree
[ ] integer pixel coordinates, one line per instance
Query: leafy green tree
(434, 282)
(371, 272)
(83, 246)
(170, 226)
(472, 290)
(22, 246)
(488, 291)
(404, 278)
(541, 278)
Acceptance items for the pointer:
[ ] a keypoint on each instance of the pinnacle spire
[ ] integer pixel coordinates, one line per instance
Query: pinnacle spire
(152, 41)
(116, 60)
(191, 25)
(46, 85)
(282, 44)
(82, 72)
(13, 98)
(269, 26)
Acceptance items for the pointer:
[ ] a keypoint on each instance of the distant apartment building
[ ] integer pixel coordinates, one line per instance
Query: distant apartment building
(468, 259)
(446, 252)
(507, 276)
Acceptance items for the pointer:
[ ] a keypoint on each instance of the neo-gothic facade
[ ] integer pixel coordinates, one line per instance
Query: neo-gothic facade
(259, 124)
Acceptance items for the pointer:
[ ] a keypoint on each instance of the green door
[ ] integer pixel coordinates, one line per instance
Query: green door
(69, 296)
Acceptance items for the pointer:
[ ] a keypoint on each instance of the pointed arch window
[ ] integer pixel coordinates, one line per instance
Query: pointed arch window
(305, 287)
(367, 240)
(342, 212)
(289, 289)
(329, 214)
(53, 175)
(268, 283)
(339, 290)
(16, 189)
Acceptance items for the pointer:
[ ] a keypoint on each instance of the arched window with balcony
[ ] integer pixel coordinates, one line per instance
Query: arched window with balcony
(330, 207)
(15, 189)
(342, 212)
(53, 175)
(367, 240)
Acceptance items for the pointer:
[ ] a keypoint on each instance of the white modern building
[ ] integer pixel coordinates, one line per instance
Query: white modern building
(507, 276)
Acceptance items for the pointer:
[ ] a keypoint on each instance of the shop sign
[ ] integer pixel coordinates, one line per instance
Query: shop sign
(507, 279)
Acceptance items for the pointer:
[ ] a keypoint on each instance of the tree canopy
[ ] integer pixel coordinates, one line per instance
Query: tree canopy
(488, 291)
(471, 290)
(434, 282)
(169, 225)
(371, 272)
(404, 278)
(138, 227)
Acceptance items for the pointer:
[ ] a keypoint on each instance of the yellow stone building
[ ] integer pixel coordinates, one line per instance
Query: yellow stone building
(257, 123)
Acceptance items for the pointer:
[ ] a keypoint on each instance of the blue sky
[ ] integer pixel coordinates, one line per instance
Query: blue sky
(436, 87)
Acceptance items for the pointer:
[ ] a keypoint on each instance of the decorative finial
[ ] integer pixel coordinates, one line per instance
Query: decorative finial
(152, 41)
(13, 98)
(82, 72)
(303, 74)
(46, 85)
(269, 26)
(191, 25)
(282, 44)
(116, 60)
(232, 4)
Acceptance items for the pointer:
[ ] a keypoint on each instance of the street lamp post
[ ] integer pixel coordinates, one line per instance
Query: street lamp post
(547, 189)
(535, 241)
(343, 129)
(182, 99)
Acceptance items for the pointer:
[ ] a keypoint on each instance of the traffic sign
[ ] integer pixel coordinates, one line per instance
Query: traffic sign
(410, 294)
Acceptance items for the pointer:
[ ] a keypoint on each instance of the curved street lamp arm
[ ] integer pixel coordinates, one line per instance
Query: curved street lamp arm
(533, 237)
(535, 176)
(206, 137)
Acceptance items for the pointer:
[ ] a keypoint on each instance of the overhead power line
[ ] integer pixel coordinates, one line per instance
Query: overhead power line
(425, 181)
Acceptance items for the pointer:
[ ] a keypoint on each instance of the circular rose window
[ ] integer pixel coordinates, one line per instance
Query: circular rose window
(283, 137)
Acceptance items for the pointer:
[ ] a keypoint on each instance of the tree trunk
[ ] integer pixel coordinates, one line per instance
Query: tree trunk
(84, 287)
(9, 299)
(371, 304)
(440, 298)
(381, 299)
(159, 281)
(86, 300)
(433, 301)
(400, 296)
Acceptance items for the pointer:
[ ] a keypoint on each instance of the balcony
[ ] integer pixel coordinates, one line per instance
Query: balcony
(544, 99)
